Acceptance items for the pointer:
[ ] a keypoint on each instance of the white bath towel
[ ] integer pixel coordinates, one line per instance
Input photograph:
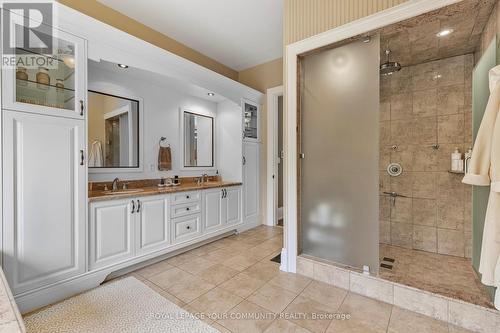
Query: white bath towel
(96, 157)
(484, 170)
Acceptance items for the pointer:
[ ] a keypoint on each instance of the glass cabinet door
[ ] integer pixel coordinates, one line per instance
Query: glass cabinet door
(52, 84)
(251, 121)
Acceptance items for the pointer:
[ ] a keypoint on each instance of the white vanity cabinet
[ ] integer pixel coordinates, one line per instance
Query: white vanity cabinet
(152, 231)
(221, 207)
(111, 232)
(44, 199)
(250, 182)
(124, 228)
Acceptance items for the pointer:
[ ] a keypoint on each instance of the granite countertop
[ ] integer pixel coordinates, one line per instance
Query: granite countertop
(100, 195)
(10, 318)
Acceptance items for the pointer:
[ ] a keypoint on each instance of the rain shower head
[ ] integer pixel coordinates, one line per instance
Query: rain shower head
(389, 67)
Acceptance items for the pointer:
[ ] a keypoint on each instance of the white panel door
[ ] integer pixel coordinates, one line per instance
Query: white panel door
(111, 232)
(250, 180)
(232, 205)
(44, 201)
(212, 219)
(152, 224)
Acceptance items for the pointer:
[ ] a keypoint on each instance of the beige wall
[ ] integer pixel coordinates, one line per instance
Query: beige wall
(491, 29)
(263, 77)
(109, 16)
(305, 18)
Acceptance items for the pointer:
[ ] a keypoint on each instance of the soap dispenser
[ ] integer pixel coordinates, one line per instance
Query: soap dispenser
(456, 160)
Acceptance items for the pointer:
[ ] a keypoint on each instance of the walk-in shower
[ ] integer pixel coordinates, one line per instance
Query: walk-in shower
(401, 99)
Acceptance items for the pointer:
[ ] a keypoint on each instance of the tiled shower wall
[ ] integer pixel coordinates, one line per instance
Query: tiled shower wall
(421, 106)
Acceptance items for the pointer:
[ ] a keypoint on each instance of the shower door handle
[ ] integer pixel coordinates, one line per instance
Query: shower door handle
(302, 156)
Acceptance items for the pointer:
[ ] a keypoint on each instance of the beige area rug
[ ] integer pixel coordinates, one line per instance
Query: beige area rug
(126, 305)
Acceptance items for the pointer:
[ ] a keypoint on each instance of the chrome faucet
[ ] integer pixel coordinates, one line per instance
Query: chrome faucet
(114, 185)
(203, 178)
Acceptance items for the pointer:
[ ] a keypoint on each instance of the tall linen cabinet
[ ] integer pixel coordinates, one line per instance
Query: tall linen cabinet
(44, 192)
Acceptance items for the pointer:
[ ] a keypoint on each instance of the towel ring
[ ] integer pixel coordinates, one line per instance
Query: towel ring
(161, 140)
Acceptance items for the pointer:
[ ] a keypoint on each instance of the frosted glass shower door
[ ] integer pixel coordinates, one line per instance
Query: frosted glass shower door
(339, 137)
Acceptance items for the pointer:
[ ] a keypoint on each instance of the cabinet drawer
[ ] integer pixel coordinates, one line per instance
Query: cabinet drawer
(184, 197)
(185, 209)
(186, 228)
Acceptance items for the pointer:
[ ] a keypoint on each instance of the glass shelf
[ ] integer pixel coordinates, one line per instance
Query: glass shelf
(48, 95)
(251, 120)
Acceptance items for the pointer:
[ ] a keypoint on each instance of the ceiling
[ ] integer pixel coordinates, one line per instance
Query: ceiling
(414, 41)
(158, 80)
(237, 33)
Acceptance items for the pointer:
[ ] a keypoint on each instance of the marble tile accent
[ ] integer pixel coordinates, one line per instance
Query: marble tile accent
(371, 287)
(473, 317)
(418, 301)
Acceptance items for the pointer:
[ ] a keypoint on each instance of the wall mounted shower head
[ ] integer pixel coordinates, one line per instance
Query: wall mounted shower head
(389, 67)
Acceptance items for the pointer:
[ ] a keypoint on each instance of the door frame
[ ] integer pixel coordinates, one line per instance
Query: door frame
(292, 52)
(272, 152)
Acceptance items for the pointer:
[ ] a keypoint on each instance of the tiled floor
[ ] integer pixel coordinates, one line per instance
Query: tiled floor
(441, 274)
(234, 276)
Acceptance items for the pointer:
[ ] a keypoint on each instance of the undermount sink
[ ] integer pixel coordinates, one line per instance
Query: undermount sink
(127, 191)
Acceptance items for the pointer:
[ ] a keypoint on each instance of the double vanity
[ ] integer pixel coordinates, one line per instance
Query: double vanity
(112, 105)
(126, 225)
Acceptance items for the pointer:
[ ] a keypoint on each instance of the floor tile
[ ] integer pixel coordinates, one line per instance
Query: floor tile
(281, 325)
(257, 318)
(273, 298)
(290, 281)
(242, 285)
(164, 293)
(217, 274)
(220, 328)
(189, 288)
(265, 270)
(240, 262)
(325, 294)
(403, 321)
(307, 312)
(168, 278)
(181, 259)
(154, 269)
(219, 256)
(216, 301)
(196, 265)
(366, 315)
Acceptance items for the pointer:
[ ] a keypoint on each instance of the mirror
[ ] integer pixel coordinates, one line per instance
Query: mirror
(113, 131)
(198, 140)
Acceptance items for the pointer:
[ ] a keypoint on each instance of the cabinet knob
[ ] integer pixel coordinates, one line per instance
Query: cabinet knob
(188, 227)
(187, 196)
(187, 208)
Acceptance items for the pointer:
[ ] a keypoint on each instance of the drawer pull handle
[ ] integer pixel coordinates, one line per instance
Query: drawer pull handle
(133, 206)
(138, 206)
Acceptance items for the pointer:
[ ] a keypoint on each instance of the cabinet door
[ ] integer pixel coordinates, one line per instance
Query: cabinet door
(212, 219)
(250, 180)
(55, 86)
(232, 205)
(44, 199)
(111, 232)
(152, 224)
